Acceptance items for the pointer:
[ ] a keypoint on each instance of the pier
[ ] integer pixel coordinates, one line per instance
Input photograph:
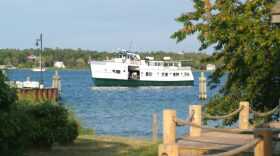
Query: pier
(28, 90)
(260, 140)
(37, 94)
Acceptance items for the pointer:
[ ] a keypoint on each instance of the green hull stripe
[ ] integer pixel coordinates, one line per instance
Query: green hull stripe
(115, 82)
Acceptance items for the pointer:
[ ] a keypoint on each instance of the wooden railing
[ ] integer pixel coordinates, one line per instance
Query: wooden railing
(262, 141)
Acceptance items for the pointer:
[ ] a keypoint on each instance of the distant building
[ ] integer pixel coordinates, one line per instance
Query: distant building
(166, 58)
(59, 64)
(2, 67)
(181, 53)
(5, 67)
(210, 67)
(149, 58)
(31, 57)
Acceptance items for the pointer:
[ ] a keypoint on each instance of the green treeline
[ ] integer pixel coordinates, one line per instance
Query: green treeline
(78, 59)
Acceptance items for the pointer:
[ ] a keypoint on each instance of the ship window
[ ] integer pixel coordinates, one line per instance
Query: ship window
(187, 74)
(149, 73)
(175, 74)
(176, 64)
(165, 64)
(164, 74)
(124, 71)
(116, 71)
(170, 64)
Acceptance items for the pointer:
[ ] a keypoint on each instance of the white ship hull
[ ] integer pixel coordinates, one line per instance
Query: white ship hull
(140, 73)
(38, 69)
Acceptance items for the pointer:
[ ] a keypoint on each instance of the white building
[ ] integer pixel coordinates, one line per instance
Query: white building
(59, 64)
(211, 67)
(166, 58)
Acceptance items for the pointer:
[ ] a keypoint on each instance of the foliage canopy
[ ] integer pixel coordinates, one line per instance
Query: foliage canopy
(247, 43)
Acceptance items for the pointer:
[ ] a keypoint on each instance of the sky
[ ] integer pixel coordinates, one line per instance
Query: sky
(102, 25)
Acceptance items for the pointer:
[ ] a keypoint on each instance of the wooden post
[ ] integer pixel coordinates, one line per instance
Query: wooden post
(202, 87)
(56, 82)
(244, 115)
(55, 94)
(29, 93)
(195, 132)
(50, 94)
(169, 147)
(45, 94)
(263, 148)
(155, 128)
(41, 97)
(168, 150)
(169, 126)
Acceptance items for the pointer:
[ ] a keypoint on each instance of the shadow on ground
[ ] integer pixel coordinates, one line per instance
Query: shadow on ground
(100, 146)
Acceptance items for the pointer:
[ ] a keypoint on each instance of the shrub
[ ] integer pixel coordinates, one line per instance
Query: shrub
(81, 129)
(52, 124)
(8, 95)
(68, 134)
(37, 125)
(10, 127)
(25, 124)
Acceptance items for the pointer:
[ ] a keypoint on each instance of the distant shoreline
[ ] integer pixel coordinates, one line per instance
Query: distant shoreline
(89, 69)
(55, 69)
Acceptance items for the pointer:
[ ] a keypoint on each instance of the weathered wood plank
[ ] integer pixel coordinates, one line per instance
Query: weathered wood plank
(212, 142)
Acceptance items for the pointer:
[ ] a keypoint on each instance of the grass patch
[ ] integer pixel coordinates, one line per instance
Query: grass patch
(91, 145)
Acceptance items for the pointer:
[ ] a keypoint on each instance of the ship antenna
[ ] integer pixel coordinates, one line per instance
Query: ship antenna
(130, 46)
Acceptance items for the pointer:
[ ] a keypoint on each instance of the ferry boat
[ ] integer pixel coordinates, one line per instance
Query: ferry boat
(127, 69)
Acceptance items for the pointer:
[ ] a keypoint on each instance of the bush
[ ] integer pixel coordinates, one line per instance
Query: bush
(10, 127)
(8, 95)
(25, 124)
(69, 134)
(37, 125)
(81, 129)
(51, 124)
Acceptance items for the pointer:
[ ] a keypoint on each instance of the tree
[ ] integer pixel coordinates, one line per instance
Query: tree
(247, 43)
(80, 63)
(8, 96)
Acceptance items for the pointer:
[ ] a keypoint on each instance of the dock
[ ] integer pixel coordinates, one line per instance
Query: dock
(44, 94)
(32, 90)
(212, 143)
(246, 139)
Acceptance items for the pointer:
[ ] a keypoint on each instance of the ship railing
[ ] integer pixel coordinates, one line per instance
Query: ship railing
(134, 62)
(168, 68)
(185, 68)
(98, 62)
